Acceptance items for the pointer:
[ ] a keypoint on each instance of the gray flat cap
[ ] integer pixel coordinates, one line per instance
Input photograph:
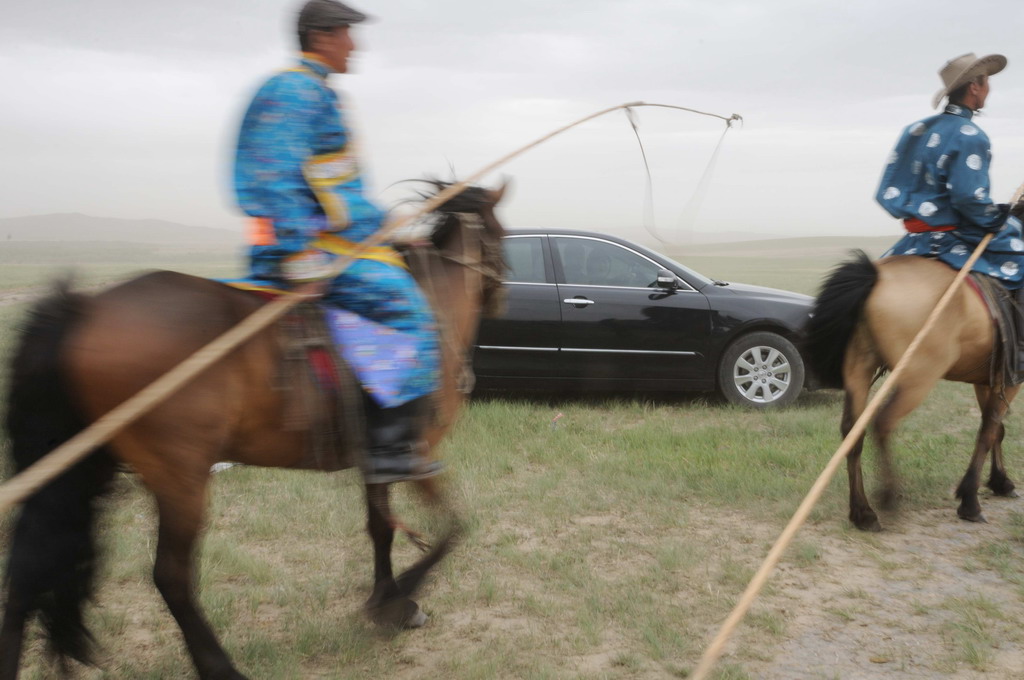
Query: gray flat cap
(327, 14)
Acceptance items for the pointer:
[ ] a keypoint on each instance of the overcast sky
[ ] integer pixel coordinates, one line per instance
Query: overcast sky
(130, 108)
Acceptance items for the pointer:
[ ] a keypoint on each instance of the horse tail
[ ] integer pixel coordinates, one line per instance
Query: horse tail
(52, 559)
(836, 313)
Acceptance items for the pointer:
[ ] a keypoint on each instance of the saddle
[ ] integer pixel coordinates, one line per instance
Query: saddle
(332, 360)
(323, 394)
(1006, 366)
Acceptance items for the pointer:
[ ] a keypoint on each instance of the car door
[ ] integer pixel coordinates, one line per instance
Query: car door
(617, 324)
(523, 341)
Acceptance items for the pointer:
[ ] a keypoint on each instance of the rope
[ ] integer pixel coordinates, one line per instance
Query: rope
(688, 216)
(714, 650)
(23, 485)
(649, 186)
(704, 178)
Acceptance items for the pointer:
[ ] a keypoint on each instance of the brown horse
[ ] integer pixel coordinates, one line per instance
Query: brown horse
(81, 356)
(864, 319)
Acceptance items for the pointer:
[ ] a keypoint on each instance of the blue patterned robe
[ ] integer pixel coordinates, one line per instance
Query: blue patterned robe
(296, 166)
(937, 179)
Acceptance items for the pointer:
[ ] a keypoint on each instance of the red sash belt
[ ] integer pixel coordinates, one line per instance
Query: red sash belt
(916, 226)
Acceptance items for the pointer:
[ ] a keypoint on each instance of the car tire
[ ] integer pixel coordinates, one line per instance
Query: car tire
(761, 370)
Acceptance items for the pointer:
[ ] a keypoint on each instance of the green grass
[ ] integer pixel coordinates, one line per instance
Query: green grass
(798, 274)
(971, 629)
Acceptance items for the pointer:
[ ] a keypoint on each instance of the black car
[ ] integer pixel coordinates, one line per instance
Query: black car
(592, 311)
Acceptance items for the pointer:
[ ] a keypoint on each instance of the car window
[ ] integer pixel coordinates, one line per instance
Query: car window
(525, 259)
(589, 262)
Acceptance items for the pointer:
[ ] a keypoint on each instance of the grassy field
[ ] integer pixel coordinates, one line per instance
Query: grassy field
(31, 264)
(607, 544)
(791, 264)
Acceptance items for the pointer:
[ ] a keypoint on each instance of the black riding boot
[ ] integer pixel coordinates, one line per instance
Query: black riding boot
(395, 442)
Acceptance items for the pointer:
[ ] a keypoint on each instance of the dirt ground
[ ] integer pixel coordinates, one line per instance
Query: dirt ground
(915, 601)
(904, 607)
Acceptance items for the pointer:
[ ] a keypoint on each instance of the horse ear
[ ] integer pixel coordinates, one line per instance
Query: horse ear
(497, 194)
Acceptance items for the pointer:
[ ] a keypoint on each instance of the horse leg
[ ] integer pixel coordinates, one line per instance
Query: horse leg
(391, 602)
(885, 425)
(180, 516)
(921, 376)
(993, 408)
(178, 475)
(386, 605)
(861, 514)
(438, 501)
(998, 481)
(858, 370)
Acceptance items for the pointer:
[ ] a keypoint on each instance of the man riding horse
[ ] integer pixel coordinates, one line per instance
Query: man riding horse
(297, 175)
(937, 182)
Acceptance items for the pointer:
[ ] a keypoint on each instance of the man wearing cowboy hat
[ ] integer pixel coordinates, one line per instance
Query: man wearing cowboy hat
(937, 181)
(298, 177)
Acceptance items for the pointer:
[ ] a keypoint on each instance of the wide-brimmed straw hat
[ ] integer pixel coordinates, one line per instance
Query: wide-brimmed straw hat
(960, 71)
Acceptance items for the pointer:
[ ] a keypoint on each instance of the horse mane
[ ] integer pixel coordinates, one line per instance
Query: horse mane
(472, 199)
(837, 311)
(445, 220)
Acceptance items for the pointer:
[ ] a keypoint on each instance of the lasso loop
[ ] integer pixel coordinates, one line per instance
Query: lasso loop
(693, 204)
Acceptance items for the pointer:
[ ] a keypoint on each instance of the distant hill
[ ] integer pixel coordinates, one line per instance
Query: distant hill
(75, 227)
(807, 246)
(71, 228)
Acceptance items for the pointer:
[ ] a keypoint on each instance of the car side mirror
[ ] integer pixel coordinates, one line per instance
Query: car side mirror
(666, 279)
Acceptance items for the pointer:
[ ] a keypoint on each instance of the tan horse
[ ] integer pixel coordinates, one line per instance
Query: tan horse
(81, 356)
(864, 319)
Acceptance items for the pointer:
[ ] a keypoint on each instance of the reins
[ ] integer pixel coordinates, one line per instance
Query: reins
(714, 650)
(431, 283)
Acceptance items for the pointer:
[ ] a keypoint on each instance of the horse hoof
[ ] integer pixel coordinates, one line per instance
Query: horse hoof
(1003, 490)
(397, 612)
(979, 518)
(865, 521)
(417, 620)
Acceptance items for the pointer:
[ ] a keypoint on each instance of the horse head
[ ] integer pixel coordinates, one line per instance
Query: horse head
(466, 230)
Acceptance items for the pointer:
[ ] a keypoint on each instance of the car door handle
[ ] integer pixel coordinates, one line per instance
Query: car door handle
(578, 301)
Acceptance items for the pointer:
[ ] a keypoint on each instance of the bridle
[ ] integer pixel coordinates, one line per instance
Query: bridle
(485, 260)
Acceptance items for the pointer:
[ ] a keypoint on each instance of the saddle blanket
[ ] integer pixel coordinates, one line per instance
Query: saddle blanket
(392, 366)
(381, 357)
(1004, 311)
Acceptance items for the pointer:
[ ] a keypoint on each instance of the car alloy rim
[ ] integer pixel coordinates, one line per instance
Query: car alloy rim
(761, 374)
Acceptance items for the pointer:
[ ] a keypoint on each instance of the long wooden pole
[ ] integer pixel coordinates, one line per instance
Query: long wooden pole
(23, 485)
(714, 650)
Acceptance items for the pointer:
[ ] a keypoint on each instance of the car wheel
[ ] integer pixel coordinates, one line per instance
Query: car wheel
(761, 370)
